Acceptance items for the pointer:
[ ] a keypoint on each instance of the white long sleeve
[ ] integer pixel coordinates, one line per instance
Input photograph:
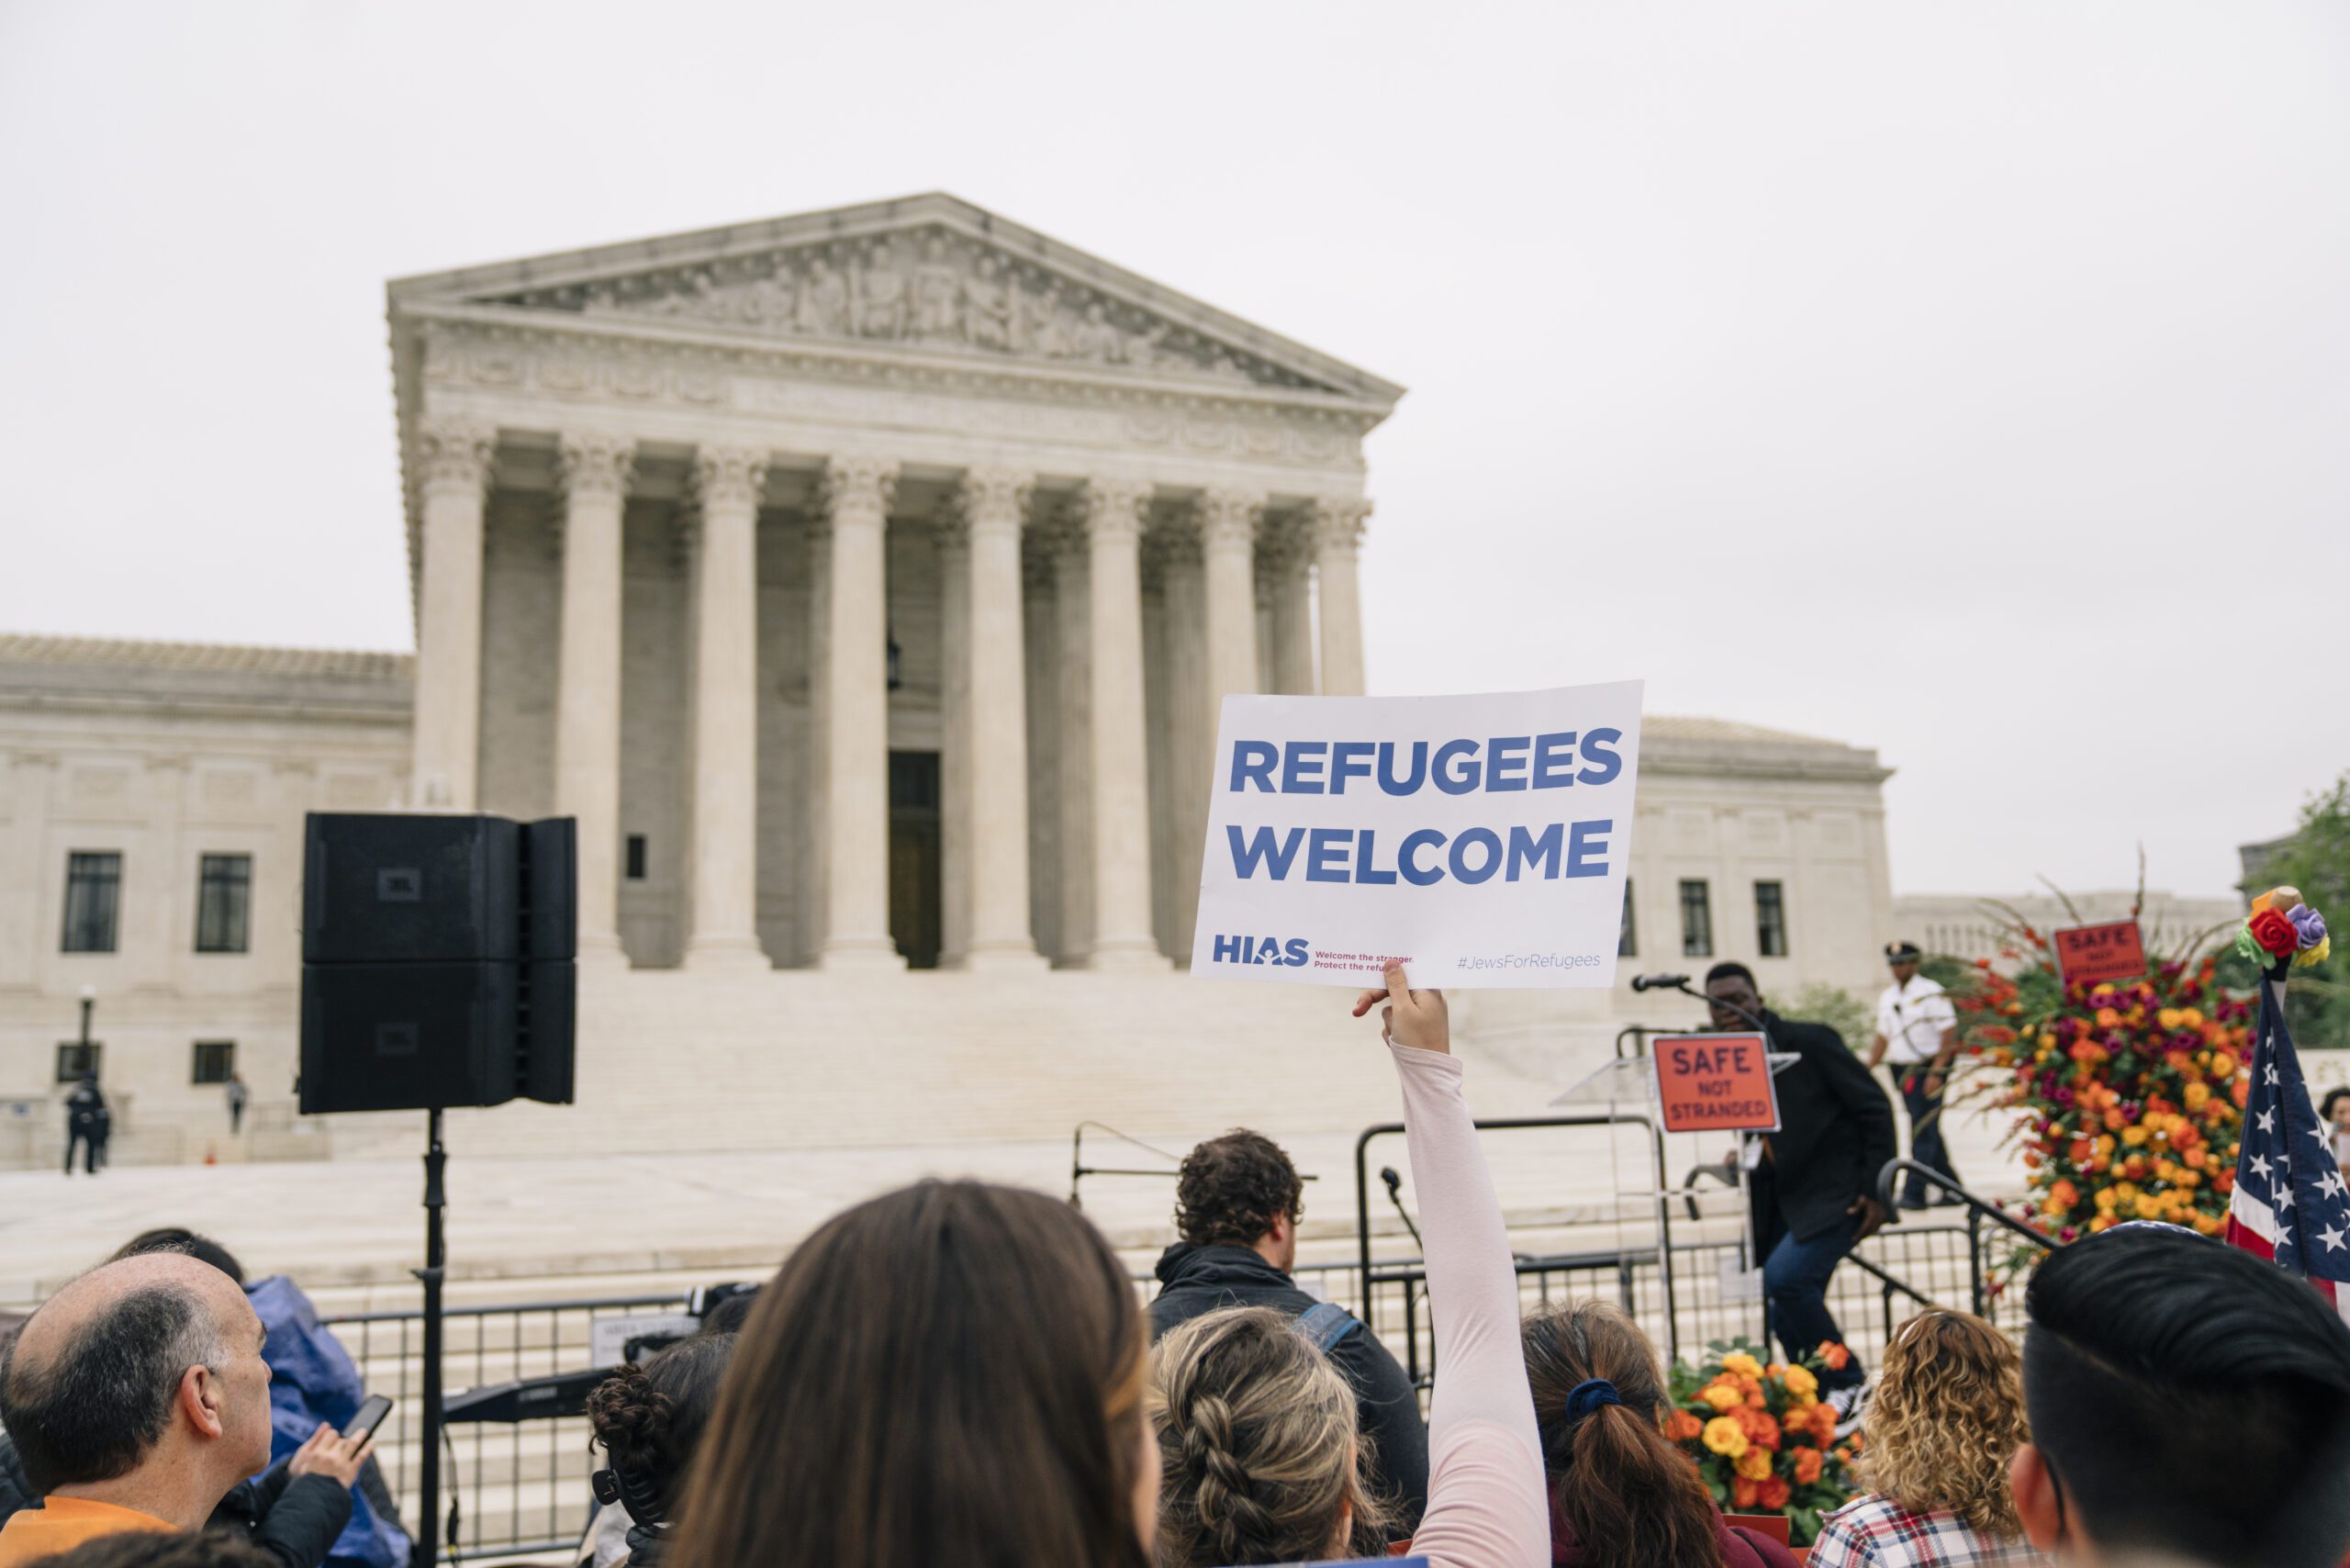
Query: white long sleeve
(1488, 1499)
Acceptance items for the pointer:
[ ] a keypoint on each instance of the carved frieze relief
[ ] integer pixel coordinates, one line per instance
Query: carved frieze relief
(930, 287)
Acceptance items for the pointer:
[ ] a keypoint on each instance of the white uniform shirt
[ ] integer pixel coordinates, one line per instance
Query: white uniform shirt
(1912, 1018)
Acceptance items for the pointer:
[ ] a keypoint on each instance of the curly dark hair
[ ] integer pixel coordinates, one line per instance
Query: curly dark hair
(1231, 1189)
(649, 1418)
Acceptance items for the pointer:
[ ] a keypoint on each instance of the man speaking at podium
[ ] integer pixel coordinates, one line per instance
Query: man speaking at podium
(1813, 1183)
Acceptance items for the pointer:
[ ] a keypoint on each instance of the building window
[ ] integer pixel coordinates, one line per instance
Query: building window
(76, 1061)
(1771, 919)
(1697, 921)
(1627, 940)
(636, 857)
(223, 893)
(215, 1061)
(93, 896)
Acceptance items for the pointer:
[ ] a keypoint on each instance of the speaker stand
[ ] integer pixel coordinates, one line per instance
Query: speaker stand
(436, 1160)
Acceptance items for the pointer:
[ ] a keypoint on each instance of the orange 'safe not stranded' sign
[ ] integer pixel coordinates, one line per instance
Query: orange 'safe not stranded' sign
(2088, 955)
(1714, 1083)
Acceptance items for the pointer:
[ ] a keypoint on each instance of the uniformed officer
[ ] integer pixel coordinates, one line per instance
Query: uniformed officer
(1916, 1029)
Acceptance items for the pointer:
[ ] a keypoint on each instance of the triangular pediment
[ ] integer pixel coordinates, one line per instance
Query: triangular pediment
(928, 274)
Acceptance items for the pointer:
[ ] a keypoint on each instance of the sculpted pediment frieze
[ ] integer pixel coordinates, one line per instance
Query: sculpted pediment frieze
(926, 288)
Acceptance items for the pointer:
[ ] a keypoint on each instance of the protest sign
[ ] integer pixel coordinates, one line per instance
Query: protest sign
(1480, 840)
(2087, 955)
(1714, 1083)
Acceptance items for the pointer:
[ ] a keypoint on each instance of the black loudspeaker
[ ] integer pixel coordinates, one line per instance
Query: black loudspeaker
(389, 890)
(437, 961)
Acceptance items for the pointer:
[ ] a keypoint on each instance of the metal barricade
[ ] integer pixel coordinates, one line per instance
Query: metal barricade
(514, 1488)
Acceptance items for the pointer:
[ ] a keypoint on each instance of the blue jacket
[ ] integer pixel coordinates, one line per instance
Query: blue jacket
(314, 1380)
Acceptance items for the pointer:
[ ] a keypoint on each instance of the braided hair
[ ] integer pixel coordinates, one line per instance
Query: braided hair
(1260, 1460)
(648, 1420)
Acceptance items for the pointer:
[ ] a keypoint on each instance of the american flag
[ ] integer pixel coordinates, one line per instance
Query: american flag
(2289, 1204)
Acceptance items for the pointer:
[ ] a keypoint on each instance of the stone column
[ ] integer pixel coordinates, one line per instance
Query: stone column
(954, 535)
(1190, 738)
(857, 491)
(31, 876)
(1289, 571)
(1338, 524)
(993, 691)
(1114, 510)
(1228, 551)
(453, 457)
(593, 471)
(158, 892)
(1073, 734)
(724, 932)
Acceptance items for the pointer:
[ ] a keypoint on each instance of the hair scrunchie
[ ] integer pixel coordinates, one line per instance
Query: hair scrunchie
(1589, 1396)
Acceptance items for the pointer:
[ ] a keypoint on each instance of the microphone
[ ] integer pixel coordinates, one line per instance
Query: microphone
(1659, 983)
(1395, 1196)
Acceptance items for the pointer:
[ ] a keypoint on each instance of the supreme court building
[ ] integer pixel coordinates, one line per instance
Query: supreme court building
(866, 584)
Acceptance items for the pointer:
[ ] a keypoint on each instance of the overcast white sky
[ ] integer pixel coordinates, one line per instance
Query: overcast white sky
(1967, 381)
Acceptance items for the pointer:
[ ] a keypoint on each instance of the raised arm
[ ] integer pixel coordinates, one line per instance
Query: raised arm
(1488, 1504)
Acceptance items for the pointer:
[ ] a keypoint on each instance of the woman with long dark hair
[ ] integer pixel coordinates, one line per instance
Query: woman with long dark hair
(1621, 1495)
(950, 1372)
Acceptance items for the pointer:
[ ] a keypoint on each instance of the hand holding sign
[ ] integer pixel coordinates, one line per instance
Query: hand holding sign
(1414, 1018)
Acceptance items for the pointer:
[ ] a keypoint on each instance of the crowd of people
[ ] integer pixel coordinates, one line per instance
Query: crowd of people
(962, 1372)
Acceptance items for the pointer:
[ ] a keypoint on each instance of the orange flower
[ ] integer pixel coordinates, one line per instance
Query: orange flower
(1681, 1426)
(1743, 1493)
(1761, 1428)
(1808, 1464)
(1754, 1464)
(1772, 1494)
(1834, 1356)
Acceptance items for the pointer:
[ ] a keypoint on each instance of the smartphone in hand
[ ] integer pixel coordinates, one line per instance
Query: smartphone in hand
(370, 1415)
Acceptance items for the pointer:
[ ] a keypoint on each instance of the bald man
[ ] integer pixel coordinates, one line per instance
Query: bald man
(137, 1397)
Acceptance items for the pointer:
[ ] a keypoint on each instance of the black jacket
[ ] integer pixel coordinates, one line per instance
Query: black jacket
(1835, 1134)
(295, 1519)
(1194, 1279)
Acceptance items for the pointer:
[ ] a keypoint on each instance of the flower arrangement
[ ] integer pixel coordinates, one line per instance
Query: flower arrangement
(1761, 1437)
(2283, 932)
(2127, 1096)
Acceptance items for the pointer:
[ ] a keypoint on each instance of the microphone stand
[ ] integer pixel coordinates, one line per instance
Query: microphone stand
(1745, 1193)
(1395, 1185)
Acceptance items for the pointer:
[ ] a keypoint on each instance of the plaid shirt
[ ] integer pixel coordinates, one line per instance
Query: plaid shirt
(1872, 1531)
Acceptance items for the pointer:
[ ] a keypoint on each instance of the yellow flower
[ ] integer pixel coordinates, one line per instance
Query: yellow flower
(2135, 1137)
(1721, 1396)
(2197, 1094)
(2148, 1206)
(1742, 1364)
(1800, 1381)
(2168, 1017)
(2105, 1200)
(1724, 1437)
(1754, 1465)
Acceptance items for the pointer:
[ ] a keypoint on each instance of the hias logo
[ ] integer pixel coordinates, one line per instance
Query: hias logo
(1259, 950)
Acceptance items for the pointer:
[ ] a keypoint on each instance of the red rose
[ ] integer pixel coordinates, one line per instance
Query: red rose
(2276, 934)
